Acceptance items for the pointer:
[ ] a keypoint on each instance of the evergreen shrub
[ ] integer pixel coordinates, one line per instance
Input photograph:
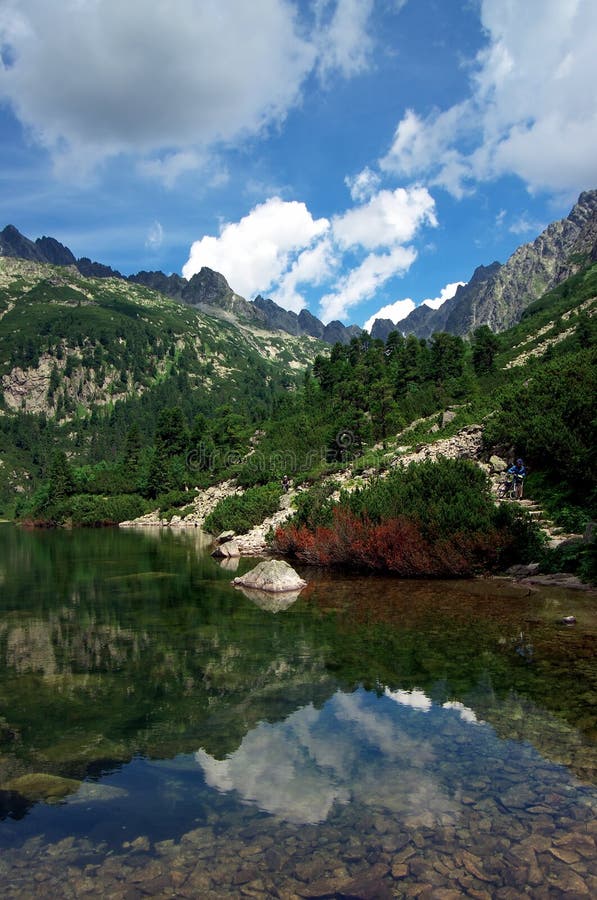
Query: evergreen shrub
(550, 419)
(314, 507)
(577, 557)
(173, 500)
(93, 511)
(431, 519)
(83, 510)
(240, 513)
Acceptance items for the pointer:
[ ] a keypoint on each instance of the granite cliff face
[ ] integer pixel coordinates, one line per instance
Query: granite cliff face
(497, 294)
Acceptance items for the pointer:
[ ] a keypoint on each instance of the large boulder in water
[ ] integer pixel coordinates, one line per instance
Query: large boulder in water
(273, 575)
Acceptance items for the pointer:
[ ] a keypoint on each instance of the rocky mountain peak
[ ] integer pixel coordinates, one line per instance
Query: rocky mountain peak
(585, 207)
(278, 318)
(206, 286)
(91, 269)
(497, 295)
(484, 273)
(13, 243)
(310, 324)
(382, 329)
(55, 252)
(170, 285)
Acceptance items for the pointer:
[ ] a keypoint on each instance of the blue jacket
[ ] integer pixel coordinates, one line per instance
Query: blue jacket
(517, 470)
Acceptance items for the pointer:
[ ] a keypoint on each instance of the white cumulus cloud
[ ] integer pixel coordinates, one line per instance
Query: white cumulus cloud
(387, 222)
(425, 146)
(363, 185)
(311, 267)
(446, 293)
(362, 282)
(387, 219)
(257, 251)
(529, 112)
(344, 43)
(280, 248)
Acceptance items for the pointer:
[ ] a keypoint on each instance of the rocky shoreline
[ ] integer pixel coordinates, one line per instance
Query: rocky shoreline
(465, 444)
(253, 543)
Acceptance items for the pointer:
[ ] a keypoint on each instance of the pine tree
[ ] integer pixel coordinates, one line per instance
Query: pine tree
(485, 346)
(61, 479)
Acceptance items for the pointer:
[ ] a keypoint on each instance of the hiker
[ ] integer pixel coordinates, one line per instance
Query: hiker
(518, 473)
(286, 483)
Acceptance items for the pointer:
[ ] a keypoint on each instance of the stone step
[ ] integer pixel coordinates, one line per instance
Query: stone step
(558, 537)
(555, 534)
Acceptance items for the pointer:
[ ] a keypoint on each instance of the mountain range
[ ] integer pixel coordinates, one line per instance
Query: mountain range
(496, 295)
(207, 291)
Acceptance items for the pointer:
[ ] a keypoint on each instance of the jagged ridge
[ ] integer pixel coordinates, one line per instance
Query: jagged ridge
(207, 290)
(497, 295)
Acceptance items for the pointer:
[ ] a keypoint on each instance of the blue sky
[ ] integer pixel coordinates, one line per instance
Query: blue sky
(349, 156)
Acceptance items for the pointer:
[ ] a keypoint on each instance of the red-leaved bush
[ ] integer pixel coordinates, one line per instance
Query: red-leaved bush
(396, 545)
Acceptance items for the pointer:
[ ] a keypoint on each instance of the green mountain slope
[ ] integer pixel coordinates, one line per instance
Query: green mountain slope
(207, 291)
(530, 390)
(83, 359)
(109, 339)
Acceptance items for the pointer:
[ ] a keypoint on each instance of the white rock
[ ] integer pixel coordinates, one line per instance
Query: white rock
(271, 575)
(497, 464)
(230, 548)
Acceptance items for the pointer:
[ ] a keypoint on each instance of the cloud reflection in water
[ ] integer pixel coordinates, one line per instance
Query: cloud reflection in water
(360, 747)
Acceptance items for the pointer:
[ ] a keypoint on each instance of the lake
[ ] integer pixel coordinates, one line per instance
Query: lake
(163, 734)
